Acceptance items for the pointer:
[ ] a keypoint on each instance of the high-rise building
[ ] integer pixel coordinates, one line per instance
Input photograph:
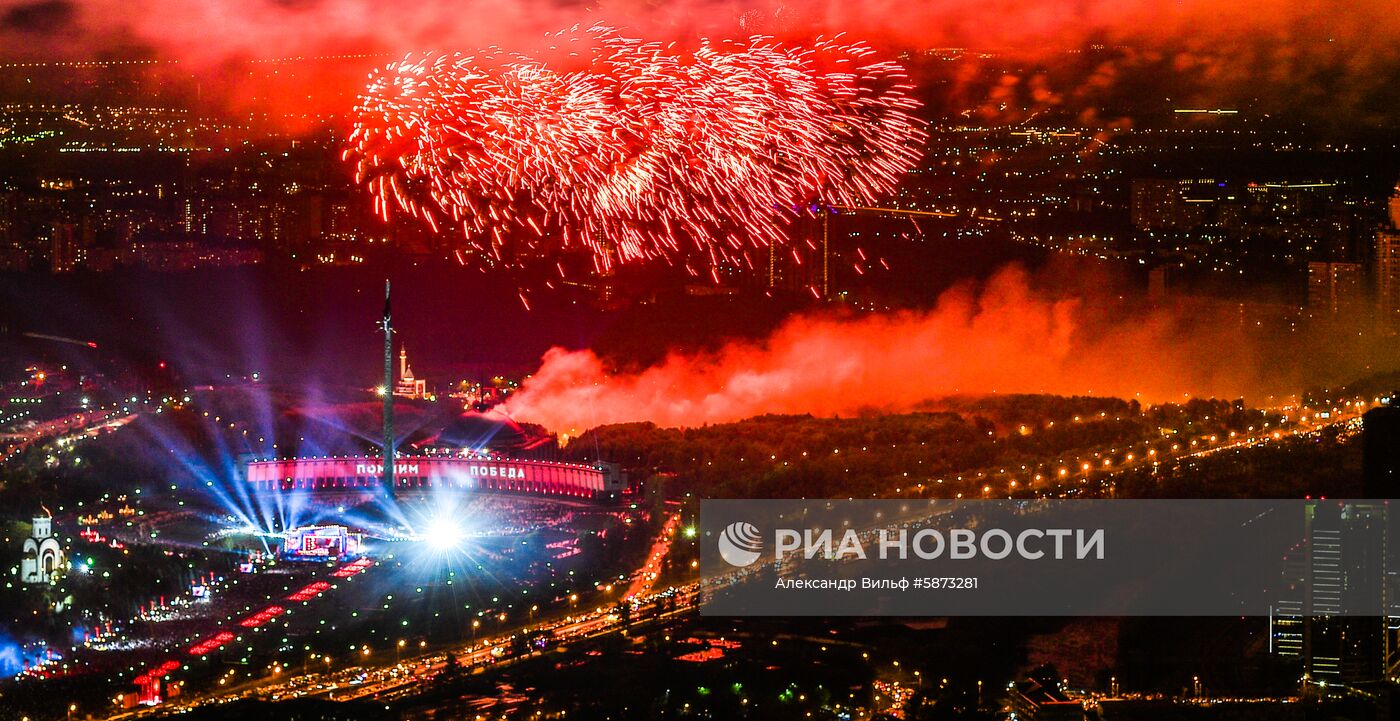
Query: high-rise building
(66, 248)
(1338, 569)
(1337, 289)
(1156, 204)
(1288, 620)
(805, 265)
(1388, 276)
(1387, 266)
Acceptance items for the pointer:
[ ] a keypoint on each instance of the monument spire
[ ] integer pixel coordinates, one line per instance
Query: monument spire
(388, 476)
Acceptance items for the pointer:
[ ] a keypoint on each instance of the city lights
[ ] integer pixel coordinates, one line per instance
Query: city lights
(655, 260)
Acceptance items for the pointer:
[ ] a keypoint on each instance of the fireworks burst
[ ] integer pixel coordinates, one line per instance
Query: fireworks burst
(644, 151)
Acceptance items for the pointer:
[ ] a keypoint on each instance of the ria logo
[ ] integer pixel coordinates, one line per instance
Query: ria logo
(740, 544)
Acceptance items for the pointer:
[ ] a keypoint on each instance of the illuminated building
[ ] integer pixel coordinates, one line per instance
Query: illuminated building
(805, 266)
(1287, 621)
(358, 476)
(1162, 205)
(1336, 288)
(1388, 266)
(1338, 568)
(43, 556)
(67, 249)
(408, 386)
(321, 543)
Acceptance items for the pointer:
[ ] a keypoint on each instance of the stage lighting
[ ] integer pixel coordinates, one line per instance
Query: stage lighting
(444, 532)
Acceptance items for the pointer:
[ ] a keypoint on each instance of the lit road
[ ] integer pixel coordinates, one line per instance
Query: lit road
(64, 431)
(404, 678)
(1347, 417)
(646, 577)
(1103, 464)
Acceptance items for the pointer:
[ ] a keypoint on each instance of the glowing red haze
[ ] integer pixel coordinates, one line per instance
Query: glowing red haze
(1005, 339)
(1330, 52)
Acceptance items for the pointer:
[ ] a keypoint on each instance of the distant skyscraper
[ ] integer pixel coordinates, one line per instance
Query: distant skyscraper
(1388, 266)
(805, 266)
(1155, 203)
(65, 248)
(1338, 568)
(1336, 289)
(1288, 621)
(1388, 276)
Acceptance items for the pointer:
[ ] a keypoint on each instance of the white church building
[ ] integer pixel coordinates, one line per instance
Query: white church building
(43, 556)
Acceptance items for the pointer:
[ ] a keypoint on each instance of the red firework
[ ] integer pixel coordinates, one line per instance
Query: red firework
(647, 151)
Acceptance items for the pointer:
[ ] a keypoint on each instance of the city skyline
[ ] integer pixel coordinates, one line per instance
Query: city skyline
(915, 270)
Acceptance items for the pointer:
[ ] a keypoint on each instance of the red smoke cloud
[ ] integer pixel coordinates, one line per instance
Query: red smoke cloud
(219, 29)
(1005, 337)
(1325, 57)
